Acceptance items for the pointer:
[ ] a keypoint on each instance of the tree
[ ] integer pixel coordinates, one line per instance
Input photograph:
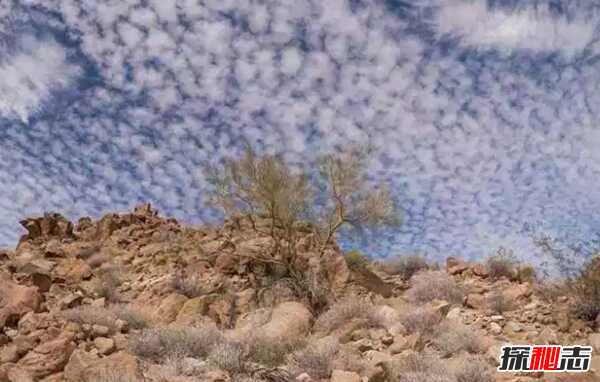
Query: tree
(325, 198)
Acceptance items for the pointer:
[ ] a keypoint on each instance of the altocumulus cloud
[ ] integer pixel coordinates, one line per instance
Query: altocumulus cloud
(482, 112)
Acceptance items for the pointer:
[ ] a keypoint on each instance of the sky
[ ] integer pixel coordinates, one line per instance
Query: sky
(483, 113)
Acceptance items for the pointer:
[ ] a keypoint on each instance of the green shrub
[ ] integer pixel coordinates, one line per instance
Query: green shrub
(585, 290)
(356, 261)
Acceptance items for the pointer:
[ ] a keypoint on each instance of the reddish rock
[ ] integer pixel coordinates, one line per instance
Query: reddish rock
(480, 270)
(47, 226)
(47, 358)
(455, 265)
(16, 301)
(475, 301)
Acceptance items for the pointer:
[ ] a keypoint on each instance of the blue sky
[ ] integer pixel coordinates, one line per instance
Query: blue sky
(484, 113)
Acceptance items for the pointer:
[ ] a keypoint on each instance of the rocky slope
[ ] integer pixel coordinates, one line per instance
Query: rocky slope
(138, 297)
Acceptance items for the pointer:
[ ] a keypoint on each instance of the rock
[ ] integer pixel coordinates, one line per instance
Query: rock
(514, 327)
(516, 292)
(304, 377)
(480, 270)
(100, 330)
(191, 309)
(344, 376)
(78, 362)
(454, 314)
(104, 345)
(9, 354)
(73, 270)
(455, 266)
(475, 301)
(16, 301)
(595, 341)
(87, 367)
(547, 337)
(169, 307)
(289, 321)
(47, 358)
(48, 226)
(440, 306)
(495, 329)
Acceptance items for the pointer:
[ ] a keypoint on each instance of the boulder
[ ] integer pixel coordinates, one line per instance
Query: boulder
(475, 301)
(16, 301)
(455, 266)
(344, 376)
(47, 226)
(47, 358)
(289, 321)
(480, 270)
(169, 307)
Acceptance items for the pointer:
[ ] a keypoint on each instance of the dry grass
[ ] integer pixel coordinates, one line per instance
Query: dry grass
(434, 285)
(405, 266)
(107, 281)
(498, 303)
(343, 312)
(162, 343)
(420, 319)
(86, 314)
(270, 352)
(475, 369)
(355, 260)
(451, 337)
(228, 356)
(190, 286)
(585, 289)
(417, 367)
(316, 358)
(112, 376)
(502, 264)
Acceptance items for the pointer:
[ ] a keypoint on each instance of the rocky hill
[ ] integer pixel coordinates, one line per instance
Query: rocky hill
(139, 297)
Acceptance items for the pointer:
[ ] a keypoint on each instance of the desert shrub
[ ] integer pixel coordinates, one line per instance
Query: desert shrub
(502, 264)
(420, 319)
(475, 369)
(108, 375)
(107, 281)
(190, 286)
(228, 356)
(451, 337)
(91, 315)
(344, 311)
(163, 342)
(270, 352)
(431, 285)
(585, 290)
(417, 367)
(355, 260)
(405, 266)
(526, 273)
(550, 291)
(316, 358)
(498, 303)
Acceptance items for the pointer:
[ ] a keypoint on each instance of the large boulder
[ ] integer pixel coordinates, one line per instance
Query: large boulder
(47, 226)
(48, 358)
(289, 320)
(16, 301)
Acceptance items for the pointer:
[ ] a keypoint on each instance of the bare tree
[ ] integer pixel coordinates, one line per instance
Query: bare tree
(334, 195)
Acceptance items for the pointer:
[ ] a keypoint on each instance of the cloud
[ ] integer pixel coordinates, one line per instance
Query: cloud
(474, 144)
(536, 29)
(29, 76)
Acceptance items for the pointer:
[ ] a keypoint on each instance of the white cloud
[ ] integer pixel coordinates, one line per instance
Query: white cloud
(28, 78)
(534, 29)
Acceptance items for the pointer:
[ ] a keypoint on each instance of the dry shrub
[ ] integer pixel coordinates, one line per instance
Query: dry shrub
(550, 291)
(451, 337)
(585, 290)
(475, 369)
(499, 303)
(270, 352)
(91, 315)
(190, 286)
(162, 343)
(405, 266)
(344, 311)
(417, 367)
(112, 376)
(316, 359)
(420, 319)
(228, 356)
(356, 261)
(502, 264)
(434, 285)
(107, 281)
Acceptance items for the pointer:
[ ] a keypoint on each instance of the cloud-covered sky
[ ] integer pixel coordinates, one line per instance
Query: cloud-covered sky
(484, 113)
